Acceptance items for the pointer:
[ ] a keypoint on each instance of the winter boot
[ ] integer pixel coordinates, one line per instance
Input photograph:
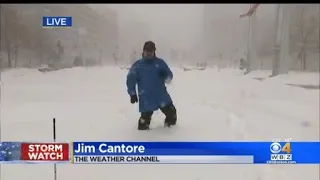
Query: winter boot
(143, 124)
(144, 121)
(171, 121)
(171, 115)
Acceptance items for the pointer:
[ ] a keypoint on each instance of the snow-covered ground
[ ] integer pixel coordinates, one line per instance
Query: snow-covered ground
(92, 104)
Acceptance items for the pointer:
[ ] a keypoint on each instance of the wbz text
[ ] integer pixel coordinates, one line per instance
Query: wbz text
(281, 159)
(45, 151)
(114, 159)
(285, 157)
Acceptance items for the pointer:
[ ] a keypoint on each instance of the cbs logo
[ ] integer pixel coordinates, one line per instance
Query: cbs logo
(276, 148)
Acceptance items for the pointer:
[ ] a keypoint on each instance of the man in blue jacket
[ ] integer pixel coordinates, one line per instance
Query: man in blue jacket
(151, 74)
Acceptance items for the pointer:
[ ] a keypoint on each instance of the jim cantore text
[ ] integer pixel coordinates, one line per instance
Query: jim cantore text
(54, 21)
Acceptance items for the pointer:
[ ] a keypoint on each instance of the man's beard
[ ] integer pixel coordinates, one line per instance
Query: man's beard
(149, 57)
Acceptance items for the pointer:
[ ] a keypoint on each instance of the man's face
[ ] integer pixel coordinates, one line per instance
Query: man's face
(148, 54)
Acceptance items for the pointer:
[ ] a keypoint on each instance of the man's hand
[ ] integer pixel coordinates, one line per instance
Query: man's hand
(133, 99)
(168, 81)
(165, 77)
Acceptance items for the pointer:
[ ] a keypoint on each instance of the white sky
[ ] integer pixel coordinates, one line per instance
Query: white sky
(181, 25)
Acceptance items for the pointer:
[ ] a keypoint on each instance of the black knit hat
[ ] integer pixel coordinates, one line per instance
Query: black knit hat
(149, 46)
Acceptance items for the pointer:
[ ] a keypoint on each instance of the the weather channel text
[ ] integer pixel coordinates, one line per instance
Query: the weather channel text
(53, 22)
(45, 151)
(115, 159)
(161, 159)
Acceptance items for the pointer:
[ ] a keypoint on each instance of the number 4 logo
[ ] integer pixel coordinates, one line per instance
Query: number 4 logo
(287, 148)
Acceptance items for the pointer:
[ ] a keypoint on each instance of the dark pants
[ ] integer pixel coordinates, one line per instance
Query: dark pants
(169, 111)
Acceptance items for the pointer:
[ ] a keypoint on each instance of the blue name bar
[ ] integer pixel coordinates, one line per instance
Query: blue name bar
(57, 21)
(263, 152)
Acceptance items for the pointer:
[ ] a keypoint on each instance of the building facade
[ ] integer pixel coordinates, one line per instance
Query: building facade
(90, 31)
(133, 34)
(95, 32)
(92, 34)
(225, 34)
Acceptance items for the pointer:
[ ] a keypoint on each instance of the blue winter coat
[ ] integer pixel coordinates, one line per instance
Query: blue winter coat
(150, 75)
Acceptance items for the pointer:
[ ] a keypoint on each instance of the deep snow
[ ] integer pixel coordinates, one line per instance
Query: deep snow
(92, 104)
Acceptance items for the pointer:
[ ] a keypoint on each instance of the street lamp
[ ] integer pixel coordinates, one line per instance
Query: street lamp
(251, 34)
(82, 32)
(276, 47)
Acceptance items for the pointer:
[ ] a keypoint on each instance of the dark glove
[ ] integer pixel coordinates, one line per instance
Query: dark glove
(133, 99)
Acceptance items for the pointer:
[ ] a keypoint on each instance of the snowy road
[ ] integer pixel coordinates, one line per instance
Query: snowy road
(92, 104)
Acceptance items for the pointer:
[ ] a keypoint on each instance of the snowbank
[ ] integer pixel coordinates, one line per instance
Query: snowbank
(91, 104)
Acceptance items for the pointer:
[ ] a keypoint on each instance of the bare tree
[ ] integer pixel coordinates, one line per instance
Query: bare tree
(19, 31)
(9, 27)
(37, 39)
(304, 32)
